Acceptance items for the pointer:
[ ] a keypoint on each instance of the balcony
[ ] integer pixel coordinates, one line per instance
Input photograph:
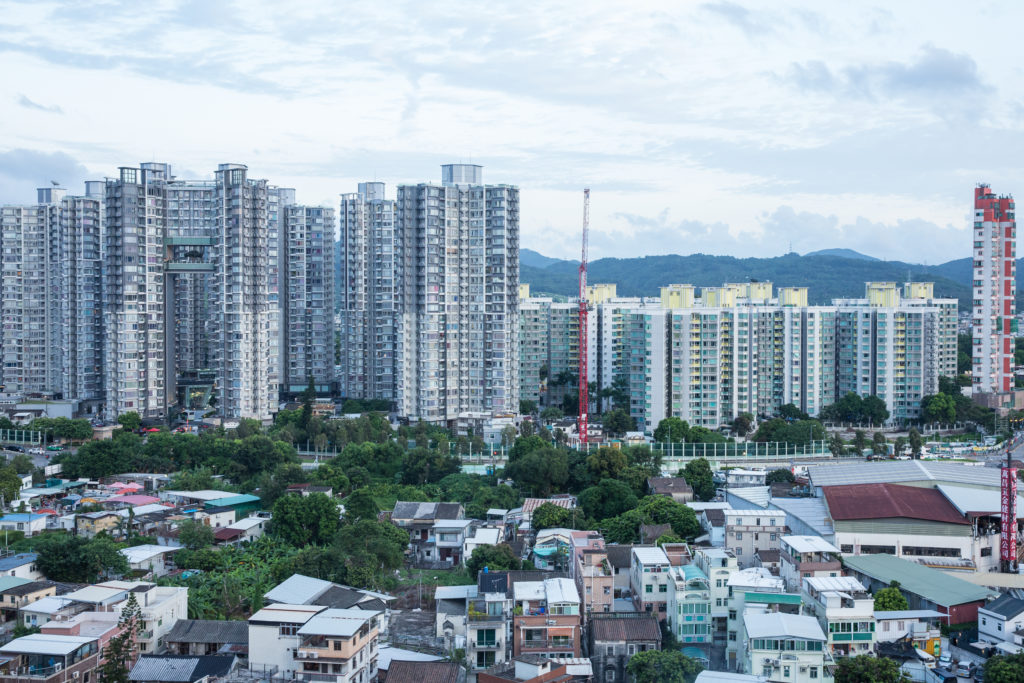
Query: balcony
(547, 644)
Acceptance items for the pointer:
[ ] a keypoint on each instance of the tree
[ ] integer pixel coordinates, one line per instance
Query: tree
(860, 441)
(869, 668)
(698, 475)
(791, 412)
(22, 464)
(652, 510)
(367, 547)
(914, 438)
(130, 421)
(606, 463)
(550, 516)
(10, 484)
(609, 498)
(195, 535)
(780, 476)
(496, 558)
(361, 505)
(427, 466)
(305, 520)
(539, 471)
(527, 407)
(938, 408)
(890, 599)
(873, 410)
(74, 559)
(836, 445)
(120, 650)
(742, 424)
(617, 422)
(672, 430)
(1005, 669)
(878, 443)
(551, 413)
(663, 666)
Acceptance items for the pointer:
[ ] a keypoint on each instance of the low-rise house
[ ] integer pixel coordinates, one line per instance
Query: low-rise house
(738, 477)
(649, 580)
(419, 518)
(149, 558)
(674, 487)
(689, 609)
(88, 524)
(531, 504)
(424, 672)
(712, 521)
(46, 658)
(205, 637)
(753, 589)
(620, 558)
(388, 655)
(241, 504)
(490, 616)
(748, 531)
(274, 637)
(769, 559)
(338, 646)
(615, 638)
(845, 612)
(480, 536)
(802, 557)
(551, 549)
(21, 565)
(650, 533)
(547, 618)
(251, 527)
(304, 590)
(537, 669)
(215, 517)
(924, 587)
(451, 612)
(160, 607)
(27, 522)
(921, 627)
(171, 668)
(785, 647)
(591, 571)
(1000, 619)
(46, 609)
(718, 564)
(103, 626)
(449, 538)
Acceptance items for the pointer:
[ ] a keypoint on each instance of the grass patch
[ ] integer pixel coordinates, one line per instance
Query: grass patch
(435, 577)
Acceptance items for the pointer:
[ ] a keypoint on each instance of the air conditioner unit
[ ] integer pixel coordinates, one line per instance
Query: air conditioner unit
(768, 661)
(803, 668)
(300, 654)
(551, 622)
(75, 675)
(314, 655)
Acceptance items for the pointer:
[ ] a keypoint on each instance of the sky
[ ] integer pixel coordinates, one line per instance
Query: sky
(736, 128)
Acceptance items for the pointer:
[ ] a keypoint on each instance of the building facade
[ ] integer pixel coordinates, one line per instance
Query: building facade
(459, 345)
(994, 288)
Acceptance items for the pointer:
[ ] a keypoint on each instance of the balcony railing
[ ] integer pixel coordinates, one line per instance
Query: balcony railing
(547, 645)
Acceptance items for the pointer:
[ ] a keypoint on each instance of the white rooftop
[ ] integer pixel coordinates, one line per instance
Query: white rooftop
(45, 644)
(486, 536)
(759, 512)
(905, 614)
(144, 553)
(709, 505)
(966, 499)
(454, 523)
(95, 594)
(809, 544)
(650, 556)
(297, 590)
(387, 654)
(901, 471)
(561, 591)
(839, 584)
(757, 578)
(782, 625)
(455, 592)
(496, 512)
(726, 677)
(286, 614)
(48, 605)
(528, 590)
(337, 622)
(753, 495)
(247, 523)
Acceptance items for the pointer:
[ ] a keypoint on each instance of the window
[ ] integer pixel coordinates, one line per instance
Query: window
(732, 614)
(336, 644)
(610, 650)
(785, 671)
(662, 588)
(739, 536)
(287, 629)
(648, 588)
(813, 672)
(732, 636)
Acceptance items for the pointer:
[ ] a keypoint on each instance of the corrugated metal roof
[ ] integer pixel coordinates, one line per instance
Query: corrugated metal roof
(1006, 606)
(337, 622)
(755, 495)
(455, 592)
(781, 625)
(809, 544)
(810, 511)
(18, 560)
(207, 631)
(908, 614)
(423, 672)
(283, 614)
(881, 501)
(845, 584)
(650, 555)
(180, 668)
(978, 501)
(902, 470)
(45, 644)
(931, 584)
(626, 628)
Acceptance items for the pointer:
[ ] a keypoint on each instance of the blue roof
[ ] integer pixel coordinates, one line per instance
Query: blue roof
(17, 560)
(692, 571)
(21, 517)
(694, 652)
(233, 500)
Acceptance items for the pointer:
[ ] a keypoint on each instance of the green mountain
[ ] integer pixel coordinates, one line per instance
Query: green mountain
(845, 253)
(826, 276)
(529, 257)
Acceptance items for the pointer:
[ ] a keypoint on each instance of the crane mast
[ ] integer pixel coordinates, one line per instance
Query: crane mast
(581, 420)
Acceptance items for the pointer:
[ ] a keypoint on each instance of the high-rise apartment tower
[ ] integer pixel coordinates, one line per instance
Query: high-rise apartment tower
(995, 271)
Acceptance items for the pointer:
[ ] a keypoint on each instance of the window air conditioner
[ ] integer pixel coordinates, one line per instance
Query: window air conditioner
(315, 655)
(300, 654)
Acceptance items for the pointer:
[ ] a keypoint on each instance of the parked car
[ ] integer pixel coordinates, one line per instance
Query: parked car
(16, 449)
(946, 660)
(54, 448)
(965, 669)
(979, 674)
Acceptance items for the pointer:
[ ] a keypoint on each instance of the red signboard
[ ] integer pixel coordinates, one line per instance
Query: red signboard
(1008, 512)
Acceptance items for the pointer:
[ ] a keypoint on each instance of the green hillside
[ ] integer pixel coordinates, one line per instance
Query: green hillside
(826, 277)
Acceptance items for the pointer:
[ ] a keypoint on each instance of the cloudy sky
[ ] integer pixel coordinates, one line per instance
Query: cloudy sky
(717, 127)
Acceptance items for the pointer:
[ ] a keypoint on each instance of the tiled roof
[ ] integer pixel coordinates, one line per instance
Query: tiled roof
(203, 631)
(879, 501)
(619, 555)
(423, 672)
(623, 629)
(1006, 606)
(227, 533)
(426, 511)
(668, 485)
(652, 532)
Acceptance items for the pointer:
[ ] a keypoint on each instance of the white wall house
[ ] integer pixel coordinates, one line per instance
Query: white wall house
(1000, 619)
(274, 637)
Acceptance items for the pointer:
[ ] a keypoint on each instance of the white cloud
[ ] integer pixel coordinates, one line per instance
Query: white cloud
(677, 115)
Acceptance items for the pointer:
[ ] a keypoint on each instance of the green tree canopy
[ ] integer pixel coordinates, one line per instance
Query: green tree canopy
(74, 559)
(652, 510)
(607, 463)
(743, 423)
(698, 475)
(120, 651)
(1005, 669)
(608, 498)
(672, 430)
(540, 471)
(305, 520)
(780, 476)
(195, 535)
(938, 408)
(617, 422)
(890, 599)
(499, 557)
(550, 516)
(663, 666)
(129, 421)
(863, 668)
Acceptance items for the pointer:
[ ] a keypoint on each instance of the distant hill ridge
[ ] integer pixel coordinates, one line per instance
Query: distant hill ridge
(826, 275)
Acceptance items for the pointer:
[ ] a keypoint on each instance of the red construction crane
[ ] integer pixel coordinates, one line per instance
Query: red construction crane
(581, 420)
